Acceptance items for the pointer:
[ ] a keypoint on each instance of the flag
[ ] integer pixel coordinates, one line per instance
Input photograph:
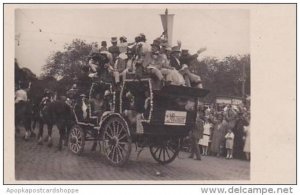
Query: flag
(167, 23)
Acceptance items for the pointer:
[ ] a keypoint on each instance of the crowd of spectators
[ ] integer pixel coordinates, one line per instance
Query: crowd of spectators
(222, 132)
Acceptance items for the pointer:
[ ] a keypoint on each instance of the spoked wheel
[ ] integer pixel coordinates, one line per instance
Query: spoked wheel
(166, 150)
(116, 141)
(76, 139)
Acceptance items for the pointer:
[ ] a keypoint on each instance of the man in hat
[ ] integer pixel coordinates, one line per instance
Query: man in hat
(158, 65)
(72, 93)
(174, 58)
(114, 49)
(126, 65)
(130, 60)
(123, 44)
(165, 50)
(100, 66)
(103, 46)
(152, 63)
(142, 45)
(187, 58)
(189, 77)
(139, 49)
(46, 96)
(105, 70)
(149, 57)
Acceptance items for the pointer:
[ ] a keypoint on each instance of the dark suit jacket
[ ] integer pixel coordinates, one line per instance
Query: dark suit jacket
(187, 59)
(174, 63)
(114, 50)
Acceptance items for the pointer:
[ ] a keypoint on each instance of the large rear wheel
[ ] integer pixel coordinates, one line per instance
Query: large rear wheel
(165, 151)
(116, 141)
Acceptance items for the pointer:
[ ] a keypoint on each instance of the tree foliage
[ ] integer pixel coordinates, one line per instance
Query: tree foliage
(69, 62)
(224, 77)
(23, 75)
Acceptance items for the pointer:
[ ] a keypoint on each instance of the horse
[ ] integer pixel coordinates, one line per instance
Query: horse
(23, 110)
(57, 113)
(23, 116)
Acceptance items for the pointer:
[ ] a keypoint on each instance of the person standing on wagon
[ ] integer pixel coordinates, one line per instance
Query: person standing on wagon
(114, 49)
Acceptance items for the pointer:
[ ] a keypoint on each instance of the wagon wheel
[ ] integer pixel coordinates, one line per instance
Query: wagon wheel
(116, 141)
(76, 139)
(166, 150)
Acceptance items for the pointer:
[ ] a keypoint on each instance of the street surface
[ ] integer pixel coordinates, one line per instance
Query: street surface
(35, 162)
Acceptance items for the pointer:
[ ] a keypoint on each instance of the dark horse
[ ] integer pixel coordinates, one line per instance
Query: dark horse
(23, 115)
(55, 113)
(23, 109)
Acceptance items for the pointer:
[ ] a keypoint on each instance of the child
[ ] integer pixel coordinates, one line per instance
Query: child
(229, 143)
(204, 141)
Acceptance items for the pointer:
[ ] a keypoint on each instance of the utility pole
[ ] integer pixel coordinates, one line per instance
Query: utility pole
(243, 80)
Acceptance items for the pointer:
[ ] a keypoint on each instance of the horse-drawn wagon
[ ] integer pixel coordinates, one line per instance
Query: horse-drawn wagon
(135, 113)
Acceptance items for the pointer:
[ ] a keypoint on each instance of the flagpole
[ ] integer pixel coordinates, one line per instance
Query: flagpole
(166, 33)
(244, 80)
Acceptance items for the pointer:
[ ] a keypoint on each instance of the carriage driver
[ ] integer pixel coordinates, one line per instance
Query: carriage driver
(46, 97)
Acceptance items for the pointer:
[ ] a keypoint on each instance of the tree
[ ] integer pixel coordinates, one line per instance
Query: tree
(224, 77)
(23, 75)
(68, 63)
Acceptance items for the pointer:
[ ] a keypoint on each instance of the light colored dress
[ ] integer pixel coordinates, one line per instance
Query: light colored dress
(204, 141)
(247, 140)
(229, 140)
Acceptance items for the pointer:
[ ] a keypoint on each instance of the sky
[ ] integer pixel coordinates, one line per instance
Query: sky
(223, 31)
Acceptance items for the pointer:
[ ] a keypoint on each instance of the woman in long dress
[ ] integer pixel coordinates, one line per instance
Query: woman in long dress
(218, 136)
(238, 131)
